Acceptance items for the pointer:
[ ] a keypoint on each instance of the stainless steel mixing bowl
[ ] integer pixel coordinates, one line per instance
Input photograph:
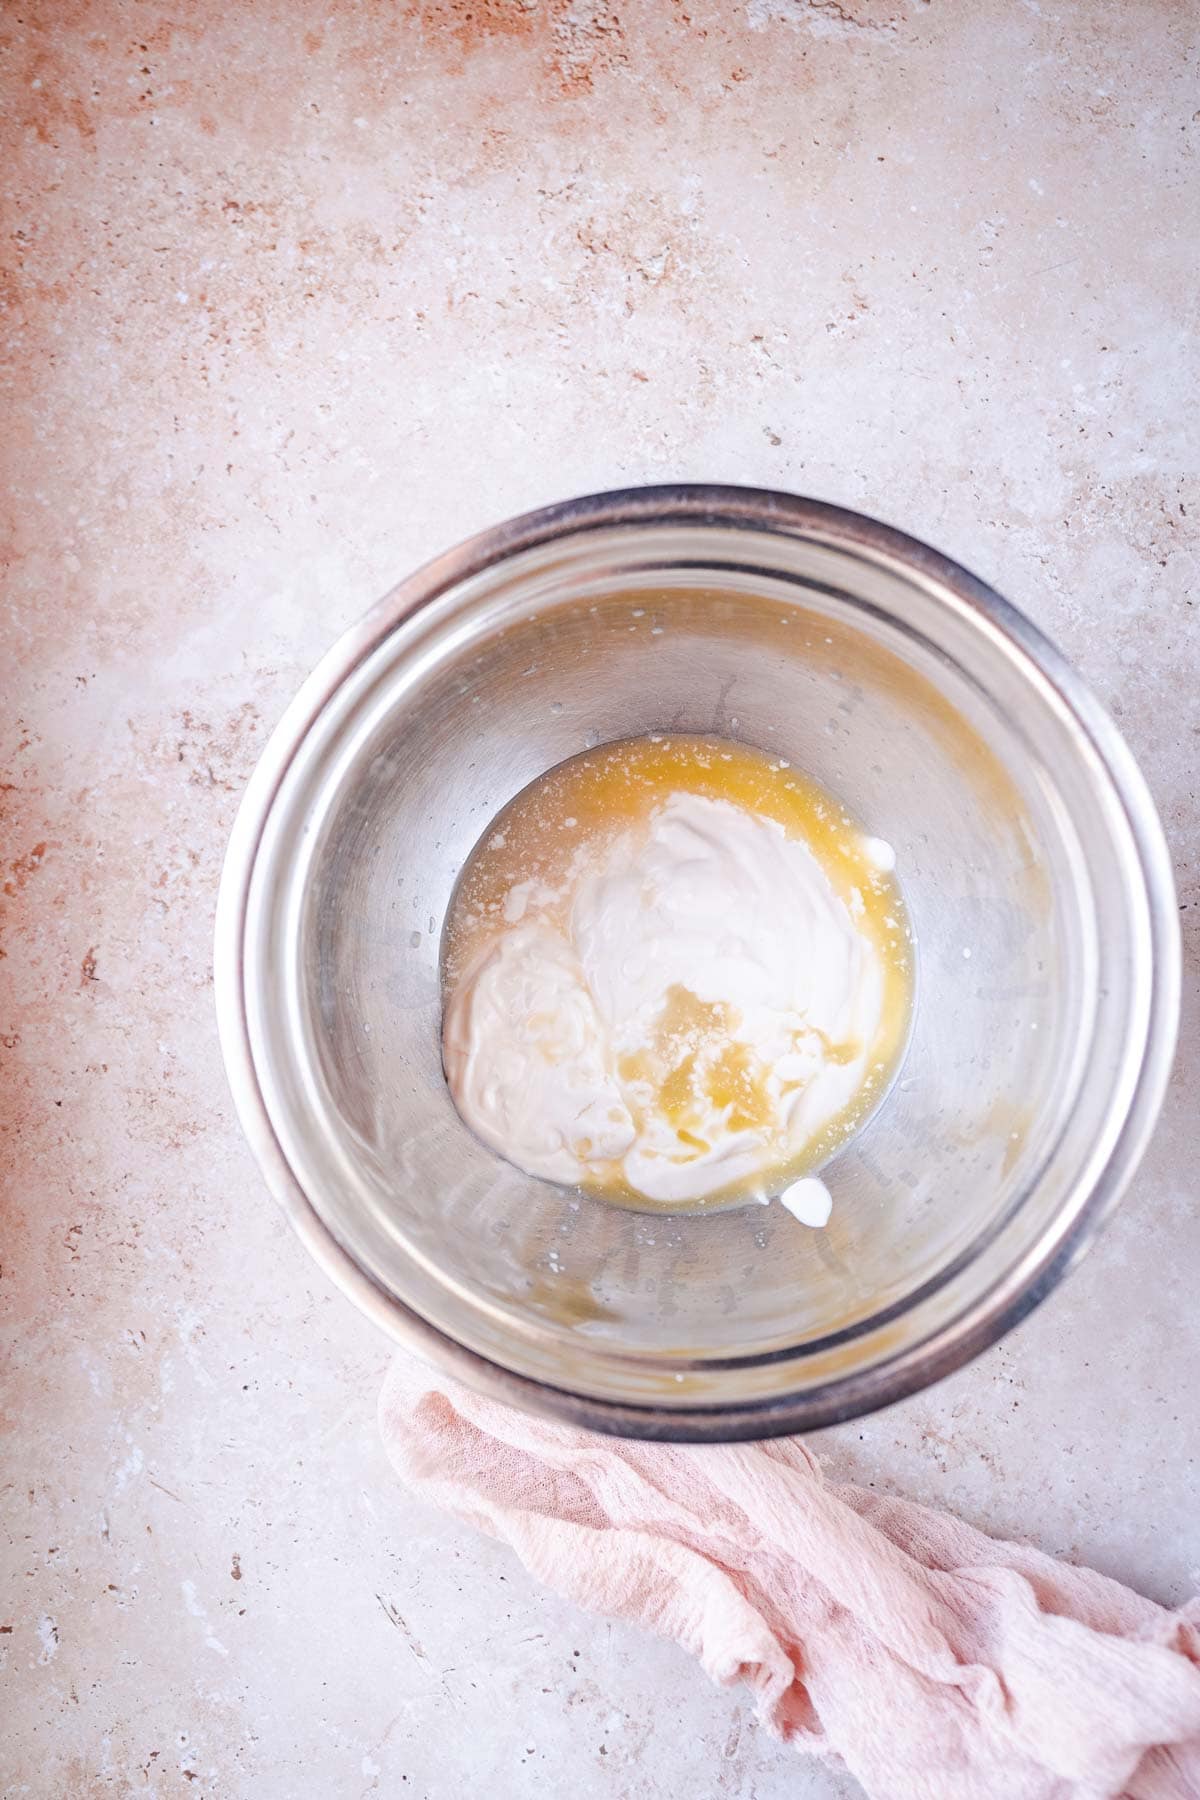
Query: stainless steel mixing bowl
(1033, 864)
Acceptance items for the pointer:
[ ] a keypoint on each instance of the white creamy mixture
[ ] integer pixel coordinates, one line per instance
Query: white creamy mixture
(687, 1015)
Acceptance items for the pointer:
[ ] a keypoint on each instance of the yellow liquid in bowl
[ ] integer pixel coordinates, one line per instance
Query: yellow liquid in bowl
(693, 1058)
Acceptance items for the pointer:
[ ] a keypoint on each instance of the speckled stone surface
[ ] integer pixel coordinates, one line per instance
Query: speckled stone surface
(296, 295)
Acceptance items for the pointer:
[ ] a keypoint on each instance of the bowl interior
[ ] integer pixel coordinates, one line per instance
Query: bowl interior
(935, 731)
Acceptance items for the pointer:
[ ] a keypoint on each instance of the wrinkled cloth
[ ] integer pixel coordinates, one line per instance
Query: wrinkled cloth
(934, 1662)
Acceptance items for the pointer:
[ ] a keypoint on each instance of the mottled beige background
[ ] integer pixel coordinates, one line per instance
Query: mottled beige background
(296, 295)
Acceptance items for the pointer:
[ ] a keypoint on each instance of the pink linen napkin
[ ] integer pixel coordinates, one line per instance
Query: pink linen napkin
(935, 1662)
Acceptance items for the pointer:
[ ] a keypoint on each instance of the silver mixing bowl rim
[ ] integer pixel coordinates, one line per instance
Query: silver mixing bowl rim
(1060, 1246)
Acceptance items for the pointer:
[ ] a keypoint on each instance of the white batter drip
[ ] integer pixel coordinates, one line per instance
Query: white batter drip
(685, 1017)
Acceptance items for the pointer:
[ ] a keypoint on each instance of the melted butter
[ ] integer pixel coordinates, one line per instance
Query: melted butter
(693, 1062)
